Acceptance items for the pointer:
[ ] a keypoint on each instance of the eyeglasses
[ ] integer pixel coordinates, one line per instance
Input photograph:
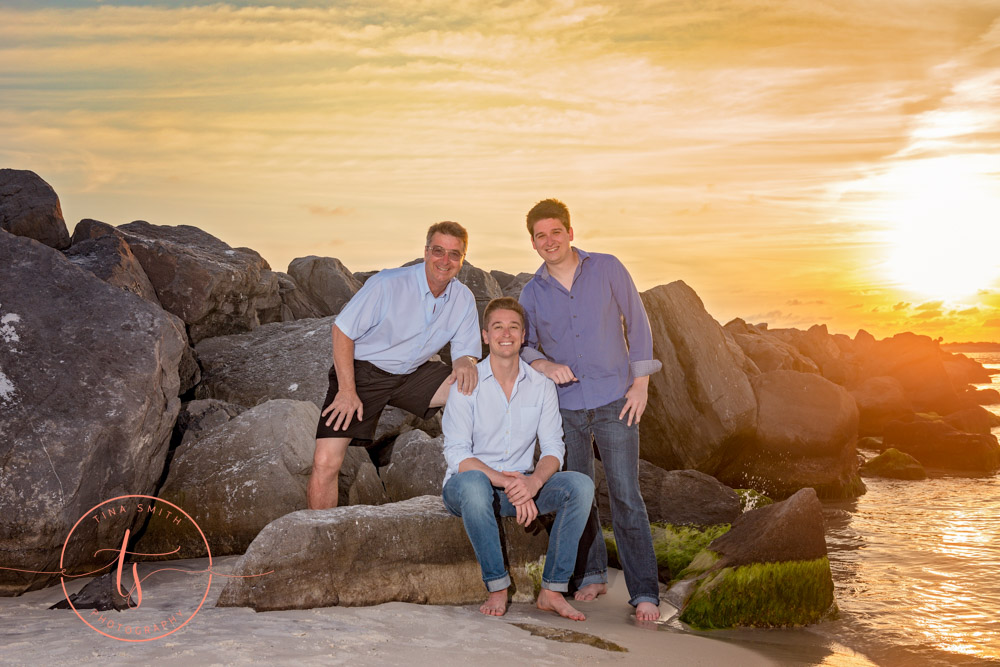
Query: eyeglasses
(439, 252)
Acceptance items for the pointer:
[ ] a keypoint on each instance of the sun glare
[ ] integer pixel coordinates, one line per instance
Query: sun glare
(945, 235)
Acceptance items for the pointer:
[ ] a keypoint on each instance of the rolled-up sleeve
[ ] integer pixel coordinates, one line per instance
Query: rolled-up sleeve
(637, 329)
(457, 423)
(550, 431)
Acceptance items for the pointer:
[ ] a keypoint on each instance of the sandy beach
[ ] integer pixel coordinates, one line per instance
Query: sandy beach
(391, 633)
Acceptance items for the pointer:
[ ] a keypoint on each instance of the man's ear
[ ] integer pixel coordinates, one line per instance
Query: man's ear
(486, 341)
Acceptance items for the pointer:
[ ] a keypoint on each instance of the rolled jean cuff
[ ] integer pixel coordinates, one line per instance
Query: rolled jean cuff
(644, 598)
(556, 586)
(498, 584)
(592, 578)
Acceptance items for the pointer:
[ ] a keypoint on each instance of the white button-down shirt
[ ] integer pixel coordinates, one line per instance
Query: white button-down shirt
(502, 433)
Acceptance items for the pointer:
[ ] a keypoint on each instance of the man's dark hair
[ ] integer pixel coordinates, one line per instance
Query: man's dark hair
(545, 209)
(451, 229)
(503, 303)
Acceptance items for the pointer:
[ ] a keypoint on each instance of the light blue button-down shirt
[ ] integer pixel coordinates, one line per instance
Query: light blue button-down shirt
(502, 433)
(599, 329)
(397, 324)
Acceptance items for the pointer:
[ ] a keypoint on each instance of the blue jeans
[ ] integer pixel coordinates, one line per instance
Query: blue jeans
(618, 444)
(570, 495)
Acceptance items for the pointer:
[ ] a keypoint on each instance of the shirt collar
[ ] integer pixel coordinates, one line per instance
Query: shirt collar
(486, 369)
(543, 270)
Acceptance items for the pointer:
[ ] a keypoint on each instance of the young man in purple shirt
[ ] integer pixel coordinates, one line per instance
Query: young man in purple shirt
(576, 304)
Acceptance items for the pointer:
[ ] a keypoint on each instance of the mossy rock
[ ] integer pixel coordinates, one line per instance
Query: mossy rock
(869, 442)
(675, 546)
(762, 595)
(894, 464)
(751, 499)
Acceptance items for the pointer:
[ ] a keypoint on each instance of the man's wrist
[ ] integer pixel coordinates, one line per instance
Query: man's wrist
(471, 359)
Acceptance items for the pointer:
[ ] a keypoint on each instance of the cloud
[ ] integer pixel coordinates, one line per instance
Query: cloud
(927, 314)
(930, 305)
(902, 305)
(992, 324)
(329, 211)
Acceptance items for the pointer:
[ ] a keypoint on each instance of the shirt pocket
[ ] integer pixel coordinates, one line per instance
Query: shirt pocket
(524, 424)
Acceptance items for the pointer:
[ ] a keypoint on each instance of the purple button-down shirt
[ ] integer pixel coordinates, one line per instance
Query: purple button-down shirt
(582, 328)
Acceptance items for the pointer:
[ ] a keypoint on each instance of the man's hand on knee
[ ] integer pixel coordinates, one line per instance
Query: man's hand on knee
(519, 488)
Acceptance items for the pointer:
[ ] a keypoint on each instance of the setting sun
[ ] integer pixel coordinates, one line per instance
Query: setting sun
(945, 217)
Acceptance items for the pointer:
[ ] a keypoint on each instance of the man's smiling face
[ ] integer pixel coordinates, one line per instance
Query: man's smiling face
(504, 333)
(551, 240)
(440, 270)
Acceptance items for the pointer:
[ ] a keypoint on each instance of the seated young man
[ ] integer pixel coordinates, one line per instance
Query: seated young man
(489, 445)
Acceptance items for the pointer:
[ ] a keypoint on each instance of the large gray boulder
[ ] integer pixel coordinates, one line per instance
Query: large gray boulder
(238, 478)
(417, 466)
(30, 207)
(295, 303)
(676, 497)
(110, 259)
(701, 404)
(511, 285)
(358, 482)
(88, 398)
(198, 417)
(279, 360)
(832, 354)
(806, 437)
(412, 551)
(324, 281)
(214, 288)
(917, 363)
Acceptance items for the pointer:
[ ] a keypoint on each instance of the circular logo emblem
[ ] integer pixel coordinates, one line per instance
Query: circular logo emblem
(150, 617)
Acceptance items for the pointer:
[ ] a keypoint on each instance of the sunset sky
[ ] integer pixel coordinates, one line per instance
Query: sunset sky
(795, 162)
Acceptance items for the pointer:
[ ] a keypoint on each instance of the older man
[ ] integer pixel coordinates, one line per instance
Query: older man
(382, 342)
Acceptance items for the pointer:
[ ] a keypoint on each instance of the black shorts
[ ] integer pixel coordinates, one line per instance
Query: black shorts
(377, 388)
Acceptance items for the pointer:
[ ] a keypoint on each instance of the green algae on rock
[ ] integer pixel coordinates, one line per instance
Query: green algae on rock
(762, 595)
(894, 464)
(675, 546)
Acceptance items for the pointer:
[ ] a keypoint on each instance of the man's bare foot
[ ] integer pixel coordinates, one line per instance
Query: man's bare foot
(553, 601)
(590, 592)
(646, 611)
(496, 604)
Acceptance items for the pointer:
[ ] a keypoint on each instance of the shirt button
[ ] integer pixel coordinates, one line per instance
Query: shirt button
(571, 297)
(578, 335)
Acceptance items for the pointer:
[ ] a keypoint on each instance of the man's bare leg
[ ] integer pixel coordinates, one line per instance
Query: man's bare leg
(496, 604)
(646, 611)
(441, 395)
(553, 601)
(329, 456)
(590, 592)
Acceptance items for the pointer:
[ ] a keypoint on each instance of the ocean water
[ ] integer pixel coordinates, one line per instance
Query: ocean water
(916, 565)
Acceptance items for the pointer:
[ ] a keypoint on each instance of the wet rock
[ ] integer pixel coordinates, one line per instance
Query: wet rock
(323, 558)
(239, 477)
(701, 405)
(916, 362)
(971, 420)
(939, 445)
(806, 436)
(770, 570)
(767, 351)
(29, 207)
(88, 398)
(894, 464)
(197, 418)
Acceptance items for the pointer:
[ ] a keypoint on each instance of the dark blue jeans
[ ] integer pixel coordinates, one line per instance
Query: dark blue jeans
(570, 495)
(618, 444)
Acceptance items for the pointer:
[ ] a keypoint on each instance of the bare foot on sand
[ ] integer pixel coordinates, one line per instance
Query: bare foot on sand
(553, 601)
(496, 604)
(646, 611)
(590, 592)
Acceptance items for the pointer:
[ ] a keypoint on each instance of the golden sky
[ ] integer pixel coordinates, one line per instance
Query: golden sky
(795, 162)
